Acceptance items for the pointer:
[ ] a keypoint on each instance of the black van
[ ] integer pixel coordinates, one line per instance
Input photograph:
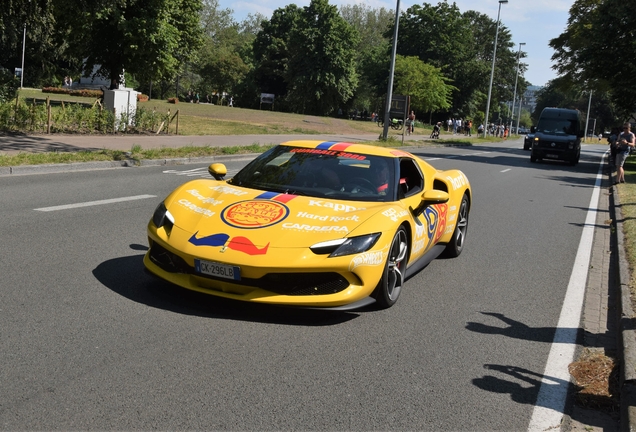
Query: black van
(558, 135)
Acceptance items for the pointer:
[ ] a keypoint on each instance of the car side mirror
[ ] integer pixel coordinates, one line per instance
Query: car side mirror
(430, 197)
(533, 129)
(217, 170)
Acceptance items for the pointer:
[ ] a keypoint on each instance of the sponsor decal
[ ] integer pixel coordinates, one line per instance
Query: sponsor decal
(372, 259)
(254, 214)
(394, 214)
(401, 153)
(206, 200)
(195, 208)
(331, 151)
(276, 196)
(441, 221)
(315, 228)
(228, 190)
(241, 244)
(418, 245)
(449, 229)
(334, 206)
(458, 182)
(434, 226)
(329, 218)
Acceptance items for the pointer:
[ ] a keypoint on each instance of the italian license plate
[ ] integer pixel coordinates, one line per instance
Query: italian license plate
(211, 268)
(552, 156)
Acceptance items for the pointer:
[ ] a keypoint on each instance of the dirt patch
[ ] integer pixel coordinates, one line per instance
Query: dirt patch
(596, 379)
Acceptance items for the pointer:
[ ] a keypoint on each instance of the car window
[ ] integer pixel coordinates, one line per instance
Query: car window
(557, 126)
(321, 173)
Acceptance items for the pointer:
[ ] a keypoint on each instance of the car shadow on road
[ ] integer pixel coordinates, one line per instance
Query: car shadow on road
(13, 143)
(126, 277)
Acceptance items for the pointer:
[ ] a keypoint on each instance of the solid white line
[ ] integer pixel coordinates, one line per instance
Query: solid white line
(94, 203)
(548, 410)
(506, 170)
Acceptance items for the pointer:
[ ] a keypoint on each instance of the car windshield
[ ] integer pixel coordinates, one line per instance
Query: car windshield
(557, 126)
(321, 173)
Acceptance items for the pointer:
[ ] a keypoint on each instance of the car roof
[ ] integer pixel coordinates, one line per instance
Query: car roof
(349, 147)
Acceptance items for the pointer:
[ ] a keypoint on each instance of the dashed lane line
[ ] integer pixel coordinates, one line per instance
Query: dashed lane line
(94, 203)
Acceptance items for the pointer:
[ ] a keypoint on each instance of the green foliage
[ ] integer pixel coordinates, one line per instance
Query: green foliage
(427, 86)
(271, 51)
(596, 50)
(321, 70)
(8, 86)
(147, 38)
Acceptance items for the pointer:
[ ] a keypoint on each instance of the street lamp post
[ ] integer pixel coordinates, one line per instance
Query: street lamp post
(389, 91)
(492, 71)
(587, 119)
(23, 45)
(514, 97)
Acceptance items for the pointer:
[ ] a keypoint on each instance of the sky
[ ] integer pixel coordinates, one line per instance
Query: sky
(533, 23)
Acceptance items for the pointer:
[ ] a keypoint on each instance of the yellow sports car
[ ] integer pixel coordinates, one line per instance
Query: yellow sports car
(316, 224)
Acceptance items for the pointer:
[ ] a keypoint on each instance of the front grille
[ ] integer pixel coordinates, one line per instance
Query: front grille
(303, 283)
(293, 284)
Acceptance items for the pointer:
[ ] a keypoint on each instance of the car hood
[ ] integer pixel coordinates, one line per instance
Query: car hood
(215, 212)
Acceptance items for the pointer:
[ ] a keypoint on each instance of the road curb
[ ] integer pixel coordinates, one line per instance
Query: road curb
(627, 336)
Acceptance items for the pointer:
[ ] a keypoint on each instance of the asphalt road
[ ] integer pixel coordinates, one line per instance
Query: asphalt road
(89, 341)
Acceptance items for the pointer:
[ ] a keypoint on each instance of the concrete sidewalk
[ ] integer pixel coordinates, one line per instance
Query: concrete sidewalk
(13, 143)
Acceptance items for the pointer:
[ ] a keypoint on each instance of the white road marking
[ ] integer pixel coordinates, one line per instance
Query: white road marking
(506, 170)
(548, 410)
(94, 203)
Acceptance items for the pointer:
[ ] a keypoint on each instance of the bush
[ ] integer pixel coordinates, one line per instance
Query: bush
(142, 97)
(80, 92)
(8, 85)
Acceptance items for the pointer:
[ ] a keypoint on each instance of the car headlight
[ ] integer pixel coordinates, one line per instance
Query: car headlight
(346, 246)
(162, 217)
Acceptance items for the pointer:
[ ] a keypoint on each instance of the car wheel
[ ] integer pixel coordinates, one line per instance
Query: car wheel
(392, 281)
(456, 244)
(533, 158)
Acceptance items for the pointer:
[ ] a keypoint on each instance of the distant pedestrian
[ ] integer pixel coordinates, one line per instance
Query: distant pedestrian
(626, 142)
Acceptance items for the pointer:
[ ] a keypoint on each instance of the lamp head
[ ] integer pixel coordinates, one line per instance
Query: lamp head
(503, 1)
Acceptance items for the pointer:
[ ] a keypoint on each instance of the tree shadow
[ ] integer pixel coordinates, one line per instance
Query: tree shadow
(518, 330)
(126, 277)
(15, 142)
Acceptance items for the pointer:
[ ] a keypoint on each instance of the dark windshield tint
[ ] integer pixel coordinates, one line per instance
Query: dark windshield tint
(558, 126)
(321, 173)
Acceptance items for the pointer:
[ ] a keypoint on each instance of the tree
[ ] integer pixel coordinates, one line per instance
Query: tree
(321, 71)
(427, 86)
(271, 51)
(148, 38)
(598, 42)
(224, 59)
(372, 53)
(43, 51)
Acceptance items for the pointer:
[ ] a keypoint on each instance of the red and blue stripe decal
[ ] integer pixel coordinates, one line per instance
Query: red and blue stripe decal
(276, 196)
(333, 145)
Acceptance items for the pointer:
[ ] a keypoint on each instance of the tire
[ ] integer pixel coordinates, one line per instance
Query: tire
(456, 245)
(533, 158)
(392, 281)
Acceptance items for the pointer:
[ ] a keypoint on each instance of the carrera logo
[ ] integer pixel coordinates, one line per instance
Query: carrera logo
(254, 214)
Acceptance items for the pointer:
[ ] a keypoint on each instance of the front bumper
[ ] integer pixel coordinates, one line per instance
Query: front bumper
(319, 281)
